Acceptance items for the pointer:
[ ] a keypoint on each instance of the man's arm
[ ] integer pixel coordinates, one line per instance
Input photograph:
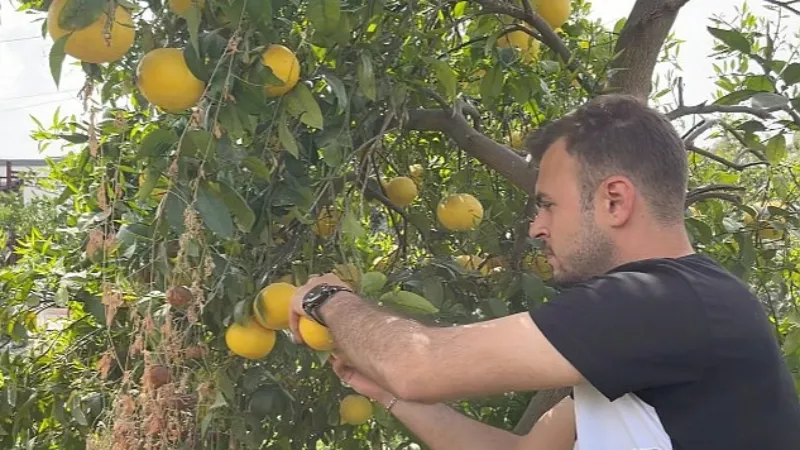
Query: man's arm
(437, 364)
(442, 428)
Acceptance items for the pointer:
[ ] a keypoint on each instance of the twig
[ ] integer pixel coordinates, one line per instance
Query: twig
(522, 234)
(785, 4)
(691, 147)
(742, 141)
(548, 36)
(700, 129)
(715, 187)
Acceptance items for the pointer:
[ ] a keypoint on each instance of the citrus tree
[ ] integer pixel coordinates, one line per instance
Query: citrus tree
(232, 148)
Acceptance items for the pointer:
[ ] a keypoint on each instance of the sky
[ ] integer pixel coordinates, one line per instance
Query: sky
(27, 88)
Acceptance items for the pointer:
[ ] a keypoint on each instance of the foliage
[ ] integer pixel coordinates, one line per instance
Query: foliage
(245, 176)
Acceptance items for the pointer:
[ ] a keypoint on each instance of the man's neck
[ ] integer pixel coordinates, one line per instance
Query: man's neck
(670, 242)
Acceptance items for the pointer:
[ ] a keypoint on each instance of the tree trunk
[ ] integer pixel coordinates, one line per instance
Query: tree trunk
(639, 45)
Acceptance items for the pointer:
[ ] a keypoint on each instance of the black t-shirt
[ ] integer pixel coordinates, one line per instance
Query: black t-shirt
(688, 339)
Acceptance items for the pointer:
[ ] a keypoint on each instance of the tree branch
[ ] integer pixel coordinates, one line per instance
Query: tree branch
(541, 402)
(639, 45)
(496, 156)
(693, 148)
(690, 200)
(523, 224)
(762, 113)
(785, 4)
(548, 36)
(718, 191)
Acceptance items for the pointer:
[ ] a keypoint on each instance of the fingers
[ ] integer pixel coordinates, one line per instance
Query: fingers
(341, 370)
(296, 309)
(294, 321)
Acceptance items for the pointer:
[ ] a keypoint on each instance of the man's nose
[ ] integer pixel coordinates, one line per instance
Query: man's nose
(536, 229)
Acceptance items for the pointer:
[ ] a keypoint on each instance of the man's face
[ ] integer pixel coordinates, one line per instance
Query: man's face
(576, 247)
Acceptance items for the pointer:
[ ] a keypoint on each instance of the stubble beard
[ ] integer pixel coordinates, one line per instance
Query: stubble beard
(593, 254)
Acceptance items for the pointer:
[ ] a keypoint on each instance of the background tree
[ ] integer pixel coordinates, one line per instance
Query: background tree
(234, 145)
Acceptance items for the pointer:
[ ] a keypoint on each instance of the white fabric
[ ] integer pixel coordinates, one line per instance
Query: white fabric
(627, 423)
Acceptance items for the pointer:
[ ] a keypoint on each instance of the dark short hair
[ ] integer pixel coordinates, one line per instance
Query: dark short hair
(619, 134)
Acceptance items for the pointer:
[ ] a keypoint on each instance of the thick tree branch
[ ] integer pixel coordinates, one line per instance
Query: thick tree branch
(639, 45)
(496, 156)
(541, 402)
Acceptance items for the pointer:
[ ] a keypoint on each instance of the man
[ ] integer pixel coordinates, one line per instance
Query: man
(662, 347)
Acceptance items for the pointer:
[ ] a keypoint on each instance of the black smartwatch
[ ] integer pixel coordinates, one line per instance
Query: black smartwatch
(317, 296)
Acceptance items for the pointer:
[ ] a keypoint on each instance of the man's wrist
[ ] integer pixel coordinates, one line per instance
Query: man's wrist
(339, 298)
(319, 296)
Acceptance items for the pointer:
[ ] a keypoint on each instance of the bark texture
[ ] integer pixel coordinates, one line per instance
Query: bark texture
(639, 45)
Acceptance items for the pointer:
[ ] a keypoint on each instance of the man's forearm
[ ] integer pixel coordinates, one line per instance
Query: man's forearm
(374, 341)
(442, 428)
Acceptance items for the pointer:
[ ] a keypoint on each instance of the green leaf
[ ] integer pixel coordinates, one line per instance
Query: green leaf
(77, 412)
(769, 100)
(286, 138)
(351, 226)
(791, 74)
(752, 126)
(150, 180)
(776, 149)
(498, 307)
(372, 282)
(302, 105)
(366, 77)
(62, 296)
(214, 213)
(79, 14)
(174, 207)
(57, 56)
(445, 74)
(433, 290)
(193, 24)
(731, 38)
(338, 89)
(324, 15)
(332, 155)
(761, 83)
(157, 143)
(459, 9)
(736, 97)
(791, 343)
(492, 84)
(409, 301)
(747, 253)
(533, 286)
(198, 144)
(245, 216)
(257, 166)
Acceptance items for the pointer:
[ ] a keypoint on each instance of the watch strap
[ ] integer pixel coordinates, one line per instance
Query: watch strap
(317, 296)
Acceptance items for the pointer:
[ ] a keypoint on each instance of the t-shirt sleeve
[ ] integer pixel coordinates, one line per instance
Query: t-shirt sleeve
(629, 331)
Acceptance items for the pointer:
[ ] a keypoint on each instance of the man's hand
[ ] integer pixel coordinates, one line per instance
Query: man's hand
(296, 310)
(359, 382)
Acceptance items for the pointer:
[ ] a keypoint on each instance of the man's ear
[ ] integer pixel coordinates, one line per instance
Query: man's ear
(618, 195)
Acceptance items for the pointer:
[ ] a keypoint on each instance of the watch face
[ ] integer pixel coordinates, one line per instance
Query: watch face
(315, 293)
